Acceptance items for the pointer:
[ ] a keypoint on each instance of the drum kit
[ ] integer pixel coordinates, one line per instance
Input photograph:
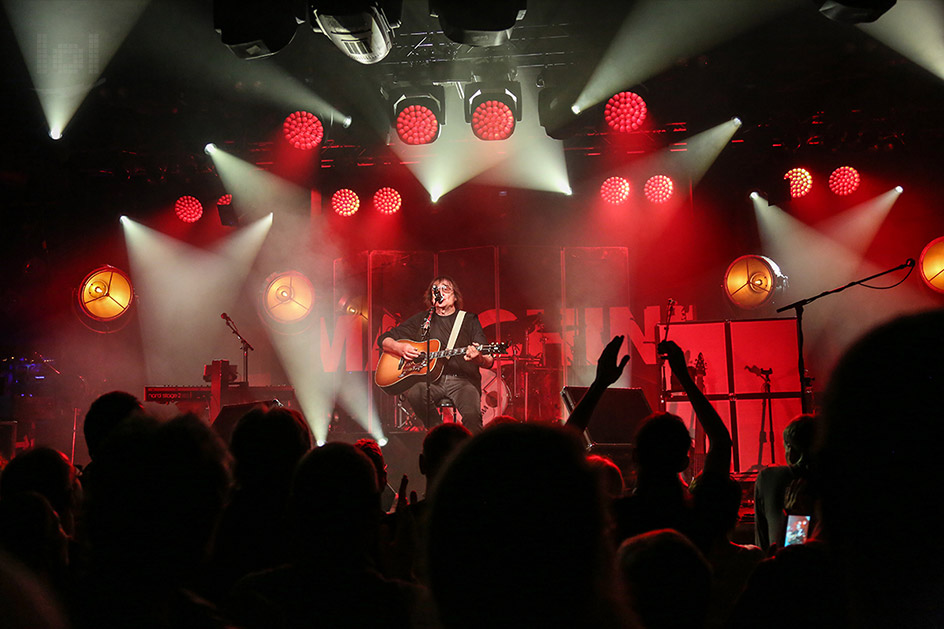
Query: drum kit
(525, 382)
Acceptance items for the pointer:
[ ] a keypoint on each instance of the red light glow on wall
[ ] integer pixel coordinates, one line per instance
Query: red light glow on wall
(801, 182)
(387, 201)
(345, 202)
(493, 120)
(417, 125)
(658, 189)
(844, 180)
(614, 190)
(303, 130)
(625, 112)
(188, 209)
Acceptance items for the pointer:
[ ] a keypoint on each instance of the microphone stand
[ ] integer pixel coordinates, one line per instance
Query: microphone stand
(429, 376)
(806, 382)
(246, 347)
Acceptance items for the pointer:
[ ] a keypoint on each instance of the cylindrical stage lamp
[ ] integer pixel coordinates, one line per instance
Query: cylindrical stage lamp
(103, 299)
(932, 264)
(287, 300)
(752, 281)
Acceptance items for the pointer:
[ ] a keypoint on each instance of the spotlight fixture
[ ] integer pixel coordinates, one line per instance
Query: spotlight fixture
(801, 182)
(658, 189)
(855, 11)
(492, 108)
(252, 29)
(614, 190)
(352, 306)
(932, 265)
(345, 202)
(844, 180)
(752, 281)
(228, 215)
(287, 299)
(188, 209)
(418, 112)
(103, 299)
(482, 23)
(303, 130)
(387, 201)
(625, 112)
(361, 29)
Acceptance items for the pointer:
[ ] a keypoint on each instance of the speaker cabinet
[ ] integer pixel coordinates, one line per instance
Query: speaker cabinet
(616, 416)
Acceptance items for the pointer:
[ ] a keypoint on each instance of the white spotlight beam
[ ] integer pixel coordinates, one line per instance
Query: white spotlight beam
(702, 149)
(914, 30)
(66, 45)
(182, 290)
(856, 227)
(815, 263)
(657, 33)
(256, 190)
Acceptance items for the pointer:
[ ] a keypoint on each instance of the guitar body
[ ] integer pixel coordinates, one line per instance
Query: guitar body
(396, 374)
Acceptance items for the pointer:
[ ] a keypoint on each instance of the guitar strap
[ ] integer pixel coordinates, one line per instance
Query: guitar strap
(455, 329)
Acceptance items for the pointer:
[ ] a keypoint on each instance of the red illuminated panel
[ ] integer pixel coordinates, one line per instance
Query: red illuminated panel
(614, 190)
(625, 112)
(844, 180)
(658, 189)
(493, 120)
(303, 130)
(801, 182)
(345, 202)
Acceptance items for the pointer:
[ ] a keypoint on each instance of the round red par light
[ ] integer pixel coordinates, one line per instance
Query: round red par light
(493, 120)
(658, 189)
(417, 124)
(844, 180)
(614, 190)
(188, 209)
(345, 202)
(303, 130)
(625, 112)
(801, 182)
(387, 201)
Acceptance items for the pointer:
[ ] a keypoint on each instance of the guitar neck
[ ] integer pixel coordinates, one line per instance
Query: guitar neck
(446, 353)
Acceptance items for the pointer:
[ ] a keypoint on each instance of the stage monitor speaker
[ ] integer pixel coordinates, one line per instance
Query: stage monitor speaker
(616, 416)
(225, 422)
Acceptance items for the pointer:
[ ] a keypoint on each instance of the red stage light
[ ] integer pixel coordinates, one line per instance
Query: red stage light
(493, 120)
(303, 130)
(417, 124)
(226, 199)
(625, 112)
(387, 201)
(844, 180)
(188, 209)
(658, 189)
(614, 190)
(801, 182)
(345, 202)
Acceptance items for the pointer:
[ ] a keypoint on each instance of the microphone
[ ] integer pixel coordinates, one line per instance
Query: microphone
(225, 317)
(910, 262)
(437, 296)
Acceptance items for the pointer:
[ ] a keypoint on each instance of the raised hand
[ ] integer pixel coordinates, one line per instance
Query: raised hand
(675, 357)
(608, 370)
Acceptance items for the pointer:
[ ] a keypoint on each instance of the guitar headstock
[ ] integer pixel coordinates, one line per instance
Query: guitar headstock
(494, 348)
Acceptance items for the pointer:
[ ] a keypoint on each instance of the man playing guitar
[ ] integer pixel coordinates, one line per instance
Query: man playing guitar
(460, 379)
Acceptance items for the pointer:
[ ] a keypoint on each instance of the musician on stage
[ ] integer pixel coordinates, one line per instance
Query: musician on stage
(460, 381)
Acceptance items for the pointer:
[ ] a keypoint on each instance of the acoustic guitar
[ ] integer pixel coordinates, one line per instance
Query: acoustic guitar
(395, 374)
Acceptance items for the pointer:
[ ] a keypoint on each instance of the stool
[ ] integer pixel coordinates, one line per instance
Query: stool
(447, 410)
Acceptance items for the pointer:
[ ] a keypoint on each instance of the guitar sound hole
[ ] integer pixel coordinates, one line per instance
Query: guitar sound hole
(419, 360)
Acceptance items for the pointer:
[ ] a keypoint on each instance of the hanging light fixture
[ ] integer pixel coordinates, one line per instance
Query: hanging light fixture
(753, 281)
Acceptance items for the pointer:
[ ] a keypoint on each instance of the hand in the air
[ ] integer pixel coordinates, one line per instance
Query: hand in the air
(608, 370)
(674, 355)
